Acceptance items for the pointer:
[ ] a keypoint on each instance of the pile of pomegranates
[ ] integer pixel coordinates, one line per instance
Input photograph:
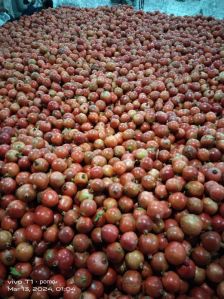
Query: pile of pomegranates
(111, 155)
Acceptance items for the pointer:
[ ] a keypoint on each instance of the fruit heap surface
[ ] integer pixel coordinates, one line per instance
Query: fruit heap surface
(111, 155)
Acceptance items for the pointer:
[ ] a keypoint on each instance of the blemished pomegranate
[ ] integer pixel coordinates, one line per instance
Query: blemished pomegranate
(111, 155)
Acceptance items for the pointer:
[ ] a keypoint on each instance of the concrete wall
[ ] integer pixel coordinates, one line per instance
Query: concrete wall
(188, 7)
(177, 7)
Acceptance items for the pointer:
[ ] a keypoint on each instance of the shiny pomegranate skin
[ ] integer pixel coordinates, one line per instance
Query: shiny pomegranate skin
(112, 154)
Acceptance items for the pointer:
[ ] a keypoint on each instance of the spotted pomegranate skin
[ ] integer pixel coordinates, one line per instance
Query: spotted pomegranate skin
(111, 155)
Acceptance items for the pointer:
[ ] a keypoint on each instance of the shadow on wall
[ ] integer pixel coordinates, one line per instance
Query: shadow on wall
(14, 9)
